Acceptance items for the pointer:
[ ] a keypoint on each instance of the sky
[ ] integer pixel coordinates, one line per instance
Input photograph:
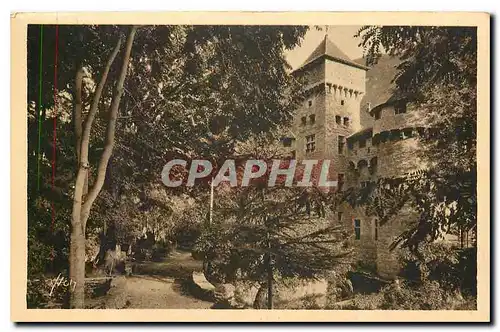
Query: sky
(342, 36)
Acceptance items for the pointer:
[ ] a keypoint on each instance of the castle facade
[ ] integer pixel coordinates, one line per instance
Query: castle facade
(365, 136)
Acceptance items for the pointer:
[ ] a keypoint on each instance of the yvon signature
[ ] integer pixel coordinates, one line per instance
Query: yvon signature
(61, 281)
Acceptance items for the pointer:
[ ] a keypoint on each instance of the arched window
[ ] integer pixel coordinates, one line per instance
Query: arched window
(362, 163)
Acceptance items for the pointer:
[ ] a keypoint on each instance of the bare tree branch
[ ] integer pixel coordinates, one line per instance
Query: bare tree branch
(110, 131)
(82, 174)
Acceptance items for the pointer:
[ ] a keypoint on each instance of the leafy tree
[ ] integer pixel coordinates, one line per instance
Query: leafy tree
(190, 91)
(272, 233)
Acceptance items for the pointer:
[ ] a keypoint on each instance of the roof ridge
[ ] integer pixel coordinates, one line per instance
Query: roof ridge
(327, 48)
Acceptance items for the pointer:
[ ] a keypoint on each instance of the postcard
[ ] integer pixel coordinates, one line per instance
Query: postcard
(285, 167)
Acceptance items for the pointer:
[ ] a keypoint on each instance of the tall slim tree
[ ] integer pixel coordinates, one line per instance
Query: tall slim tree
(81, 204)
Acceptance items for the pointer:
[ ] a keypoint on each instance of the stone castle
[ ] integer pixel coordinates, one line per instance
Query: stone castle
(366, 134)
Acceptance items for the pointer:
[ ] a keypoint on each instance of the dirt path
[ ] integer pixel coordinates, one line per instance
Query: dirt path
(145, 292)
(157, 285)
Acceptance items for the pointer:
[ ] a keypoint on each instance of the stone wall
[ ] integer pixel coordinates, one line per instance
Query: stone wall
(388, 265)
(389, 120)
(344, 75)
(397, 158)
(289, 296)
(301, 130)
(366, 247)
(335, 93)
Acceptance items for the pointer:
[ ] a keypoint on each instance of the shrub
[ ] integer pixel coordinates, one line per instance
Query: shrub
(406, 296)
(430, 295)
(455, 269)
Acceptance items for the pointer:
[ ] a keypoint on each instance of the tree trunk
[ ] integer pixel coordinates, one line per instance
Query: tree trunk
(77, 267)
(269, 281)
(260, 297)
(269, 263)
(81, 210)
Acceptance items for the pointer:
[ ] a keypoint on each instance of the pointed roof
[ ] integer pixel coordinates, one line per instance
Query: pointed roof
(327, 49)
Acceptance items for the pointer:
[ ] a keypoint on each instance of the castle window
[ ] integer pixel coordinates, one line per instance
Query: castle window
(310, 143)
(339, 217)
(346, 121)
(340, 180)
(287, 142)
(362, 143)
(309, 103)
(362, 163)
(395, 135)
(338, 119)
(376, 229)
(312, 119)
(341, 143)
(400, 108)
(407, 132)
(373, 165)
(357, 229)
(342, 102)
(303, 120)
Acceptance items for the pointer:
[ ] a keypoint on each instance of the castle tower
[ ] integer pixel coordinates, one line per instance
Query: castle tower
(334, 86)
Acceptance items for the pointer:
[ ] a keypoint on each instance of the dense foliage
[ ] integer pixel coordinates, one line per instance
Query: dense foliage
(271, 234)
(190, 91)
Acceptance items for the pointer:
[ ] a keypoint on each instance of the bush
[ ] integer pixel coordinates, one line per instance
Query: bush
(427, 296)
(455, 269)
(366, 302)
